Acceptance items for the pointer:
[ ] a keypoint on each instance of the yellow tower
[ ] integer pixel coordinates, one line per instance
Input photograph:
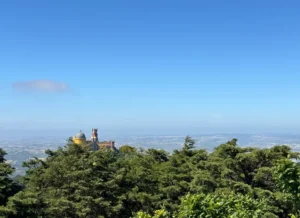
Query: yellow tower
(79, 138)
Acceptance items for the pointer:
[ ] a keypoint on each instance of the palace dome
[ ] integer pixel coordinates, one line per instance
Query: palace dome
(80, 135)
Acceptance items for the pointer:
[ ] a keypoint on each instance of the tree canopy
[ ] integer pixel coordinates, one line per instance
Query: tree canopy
(231, 181)
(8, 187)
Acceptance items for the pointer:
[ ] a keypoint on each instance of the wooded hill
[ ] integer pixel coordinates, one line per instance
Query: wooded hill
(231, 182)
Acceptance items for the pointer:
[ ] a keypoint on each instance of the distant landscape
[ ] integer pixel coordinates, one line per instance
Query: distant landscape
(22, 149)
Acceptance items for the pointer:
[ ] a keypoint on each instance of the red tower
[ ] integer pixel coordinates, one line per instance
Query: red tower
(94, 135)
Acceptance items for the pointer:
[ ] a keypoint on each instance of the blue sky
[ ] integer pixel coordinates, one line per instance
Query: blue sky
(151, 67)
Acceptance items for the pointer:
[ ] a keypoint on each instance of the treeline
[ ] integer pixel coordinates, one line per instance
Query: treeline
(231, 182)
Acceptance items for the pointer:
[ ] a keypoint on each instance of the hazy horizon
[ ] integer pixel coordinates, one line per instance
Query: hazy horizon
(9, 134)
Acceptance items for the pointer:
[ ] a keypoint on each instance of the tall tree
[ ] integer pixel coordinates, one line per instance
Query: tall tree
(8, 187)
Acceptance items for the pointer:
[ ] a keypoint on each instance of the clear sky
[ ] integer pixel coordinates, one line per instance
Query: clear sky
(150, 67)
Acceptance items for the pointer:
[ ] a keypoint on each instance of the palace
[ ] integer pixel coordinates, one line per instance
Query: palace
(94, 143)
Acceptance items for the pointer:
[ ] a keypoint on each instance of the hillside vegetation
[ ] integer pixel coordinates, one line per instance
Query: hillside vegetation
(230, 182)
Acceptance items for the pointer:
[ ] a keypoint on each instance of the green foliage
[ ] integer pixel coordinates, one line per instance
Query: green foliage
(287, 176)
(157, 214)
(126, 149)
(231, 182)
(233, 206)
(158, 155)
(8, 187)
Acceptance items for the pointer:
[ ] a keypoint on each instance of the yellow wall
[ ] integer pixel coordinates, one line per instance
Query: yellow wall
(79, 141)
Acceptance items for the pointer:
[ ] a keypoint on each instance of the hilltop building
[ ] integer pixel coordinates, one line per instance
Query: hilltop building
(94, 142)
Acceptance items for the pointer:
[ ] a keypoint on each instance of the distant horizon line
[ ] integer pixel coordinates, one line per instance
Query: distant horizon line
(60, 133)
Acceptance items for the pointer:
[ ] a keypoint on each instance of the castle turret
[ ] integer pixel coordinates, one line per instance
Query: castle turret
(94, 139)
(94, 143)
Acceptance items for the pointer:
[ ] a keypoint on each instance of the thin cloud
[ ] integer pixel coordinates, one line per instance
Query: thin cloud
(41, 86)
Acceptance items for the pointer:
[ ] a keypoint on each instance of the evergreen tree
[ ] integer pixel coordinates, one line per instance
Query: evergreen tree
(8, 187)
(232, 181)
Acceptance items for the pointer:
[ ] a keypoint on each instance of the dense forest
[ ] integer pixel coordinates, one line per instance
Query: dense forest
(231, 181)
